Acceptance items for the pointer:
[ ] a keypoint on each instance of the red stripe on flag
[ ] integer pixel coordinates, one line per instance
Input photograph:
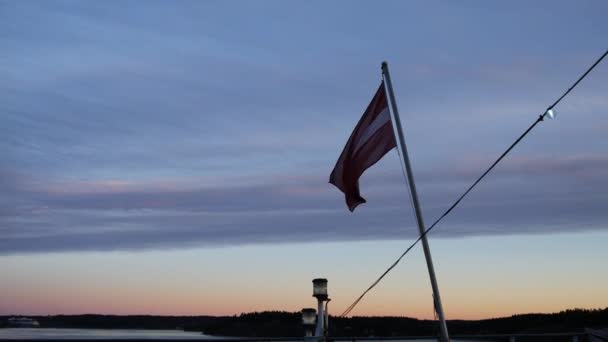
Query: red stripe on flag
(371, 139)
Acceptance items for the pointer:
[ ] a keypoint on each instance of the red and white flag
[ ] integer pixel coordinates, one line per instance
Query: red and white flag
(372, 138)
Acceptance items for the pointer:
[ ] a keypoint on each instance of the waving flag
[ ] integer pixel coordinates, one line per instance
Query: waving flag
(372, 138)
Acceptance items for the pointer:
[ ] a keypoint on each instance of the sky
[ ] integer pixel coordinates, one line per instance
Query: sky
(173, 157)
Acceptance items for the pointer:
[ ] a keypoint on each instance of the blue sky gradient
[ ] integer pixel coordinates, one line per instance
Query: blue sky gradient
(198, 130)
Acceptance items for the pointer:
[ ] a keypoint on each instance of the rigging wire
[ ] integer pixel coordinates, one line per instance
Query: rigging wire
(538, 120)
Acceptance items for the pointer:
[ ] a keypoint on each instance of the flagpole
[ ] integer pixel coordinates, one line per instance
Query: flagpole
(410, 178)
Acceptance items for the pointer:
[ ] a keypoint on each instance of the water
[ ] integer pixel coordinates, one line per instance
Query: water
(50, 333)
(118, 334)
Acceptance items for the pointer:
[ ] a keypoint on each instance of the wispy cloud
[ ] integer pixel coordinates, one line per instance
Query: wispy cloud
(525, 196)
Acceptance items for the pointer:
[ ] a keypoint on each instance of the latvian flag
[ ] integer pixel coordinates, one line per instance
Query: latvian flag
(372, 138)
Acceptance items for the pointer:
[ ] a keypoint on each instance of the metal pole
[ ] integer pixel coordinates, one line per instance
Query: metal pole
(410, 178)
(326, 321)
(320, 319)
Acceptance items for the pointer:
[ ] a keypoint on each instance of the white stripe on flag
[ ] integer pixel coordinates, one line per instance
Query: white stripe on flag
(380, 120)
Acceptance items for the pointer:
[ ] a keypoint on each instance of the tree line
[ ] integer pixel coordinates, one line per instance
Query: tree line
(284, 324)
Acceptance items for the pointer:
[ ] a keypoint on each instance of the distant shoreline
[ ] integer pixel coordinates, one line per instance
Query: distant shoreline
(280, 323)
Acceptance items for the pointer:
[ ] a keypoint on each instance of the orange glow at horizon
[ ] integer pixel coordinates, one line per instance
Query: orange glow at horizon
(228, 281)
(132, 301)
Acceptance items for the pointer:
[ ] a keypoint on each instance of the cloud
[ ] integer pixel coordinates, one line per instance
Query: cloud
(524, 196)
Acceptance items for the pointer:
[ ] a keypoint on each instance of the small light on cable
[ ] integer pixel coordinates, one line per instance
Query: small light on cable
(551, 114)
